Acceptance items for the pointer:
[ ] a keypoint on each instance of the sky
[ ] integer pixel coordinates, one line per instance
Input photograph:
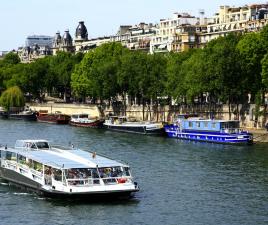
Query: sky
(20, 18)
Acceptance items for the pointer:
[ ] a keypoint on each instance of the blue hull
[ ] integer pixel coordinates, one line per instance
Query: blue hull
(174, 131)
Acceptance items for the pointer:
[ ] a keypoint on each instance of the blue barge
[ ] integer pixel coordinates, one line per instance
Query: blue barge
(216, 131)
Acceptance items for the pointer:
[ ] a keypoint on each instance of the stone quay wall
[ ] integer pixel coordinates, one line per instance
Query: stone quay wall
(68, 109)
(167, 113)
(244, 113)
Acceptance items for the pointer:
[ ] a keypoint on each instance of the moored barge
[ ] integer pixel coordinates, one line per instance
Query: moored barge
(57, 117)
(208, 130)
(83, 120)
(121, 123)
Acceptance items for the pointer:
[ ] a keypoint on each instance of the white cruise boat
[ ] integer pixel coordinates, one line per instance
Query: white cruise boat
(64, 172)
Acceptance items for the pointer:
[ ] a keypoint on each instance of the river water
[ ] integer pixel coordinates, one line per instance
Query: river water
(181, 182)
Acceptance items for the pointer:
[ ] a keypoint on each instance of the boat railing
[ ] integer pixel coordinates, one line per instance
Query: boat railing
(83, 181)
(109, 180)
(10, 164)
(116, 180)
(97, 181)
(36, 173)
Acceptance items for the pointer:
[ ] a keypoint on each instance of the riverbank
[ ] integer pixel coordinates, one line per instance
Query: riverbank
(259, 135)
(68, 109)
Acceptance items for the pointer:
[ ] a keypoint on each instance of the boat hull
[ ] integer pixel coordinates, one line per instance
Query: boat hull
(243, 138)
(95, 124)
(53, 119)
(27, 117)
(135, 129)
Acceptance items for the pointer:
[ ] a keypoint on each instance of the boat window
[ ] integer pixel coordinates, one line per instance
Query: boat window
(126, 171)
(190, 124)
(32, 146)
(42, 145)
(110, 172)
(206, 124)
(37, 166)
(213, 125)
(81, 173)
(57, 174)
(30, 163)
(197, 124)
(21, 159)
(11, 156)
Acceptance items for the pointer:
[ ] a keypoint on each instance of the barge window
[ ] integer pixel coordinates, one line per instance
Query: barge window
(213, 125)
(205, 124)
(197, 124)
(190, 124)
(11, 156)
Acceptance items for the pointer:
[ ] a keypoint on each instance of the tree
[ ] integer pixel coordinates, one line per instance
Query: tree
(174, 84)
(11, 59)
(133, 67)
(264, 73)
(251, 50)
(12, 97)
(96, 75)
(61, 67)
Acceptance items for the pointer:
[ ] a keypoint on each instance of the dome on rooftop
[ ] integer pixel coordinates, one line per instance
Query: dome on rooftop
(67, 39)
(57, 39)
(81, 31)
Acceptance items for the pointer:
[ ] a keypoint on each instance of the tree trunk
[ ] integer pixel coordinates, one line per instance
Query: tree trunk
(157, 113)
(142, 109)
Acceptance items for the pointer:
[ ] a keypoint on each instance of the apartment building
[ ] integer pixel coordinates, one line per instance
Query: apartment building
(179, 33)
(167, 29)
(136, 37)
(248, 18)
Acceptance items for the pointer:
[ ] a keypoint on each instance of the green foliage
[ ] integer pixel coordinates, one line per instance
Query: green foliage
(12, 97)
(251, 50)
(96, 75)
(11, 59)
(227, 69)
(264, 73)
(174, 85)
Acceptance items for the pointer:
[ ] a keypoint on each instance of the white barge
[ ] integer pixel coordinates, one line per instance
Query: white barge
(64, 172)
(122, 124)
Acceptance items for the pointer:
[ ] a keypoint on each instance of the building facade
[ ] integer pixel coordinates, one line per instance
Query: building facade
(248, 18)
(167, 30)
(63, 43)
(179, 33)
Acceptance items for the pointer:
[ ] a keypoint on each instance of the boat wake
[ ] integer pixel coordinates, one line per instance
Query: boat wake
(21, 193)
